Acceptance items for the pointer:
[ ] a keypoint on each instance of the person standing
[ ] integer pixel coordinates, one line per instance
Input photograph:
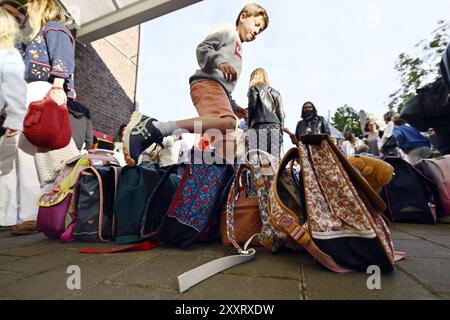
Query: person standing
(49, 66)
(372, 137)
(220, 59)
(411, 141)
(13, 92)
(265, 114)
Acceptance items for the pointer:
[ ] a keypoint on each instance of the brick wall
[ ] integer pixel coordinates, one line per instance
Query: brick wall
(105, 78)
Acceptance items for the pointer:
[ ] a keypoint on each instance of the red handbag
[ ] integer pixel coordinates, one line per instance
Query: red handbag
(47, 125)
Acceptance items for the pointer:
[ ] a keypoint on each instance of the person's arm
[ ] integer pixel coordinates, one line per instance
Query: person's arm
(208, 56)
(279, 111)
(14, 91)
(398, 135)
(89, 139)
(325, 127)
(347, 148)
(61, 52)
(252, 101)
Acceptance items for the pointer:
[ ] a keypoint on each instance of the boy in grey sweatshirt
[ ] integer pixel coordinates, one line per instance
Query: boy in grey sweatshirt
(220, 59)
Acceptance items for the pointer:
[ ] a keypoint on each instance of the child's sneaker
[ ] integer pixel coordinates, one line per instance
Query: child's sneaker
(139, 134)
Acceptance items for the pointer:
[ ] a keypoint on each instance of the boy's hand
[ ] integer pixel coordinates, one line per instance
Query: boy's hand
(241, 113)
(228, 72)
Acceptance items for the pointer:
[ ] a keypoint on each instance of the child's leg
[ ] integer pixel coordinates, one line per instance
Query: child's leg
(8, 180)
(213, 106)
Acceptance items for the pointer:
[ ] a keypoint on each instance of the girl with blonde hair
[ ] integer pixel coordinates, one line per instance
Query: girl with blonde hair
(49, 66)
(265, 114)
(12, 105)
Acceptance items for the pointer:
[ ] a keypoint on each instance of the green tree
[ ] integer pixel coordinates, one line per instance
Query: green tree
(346, 119)
(417, 70)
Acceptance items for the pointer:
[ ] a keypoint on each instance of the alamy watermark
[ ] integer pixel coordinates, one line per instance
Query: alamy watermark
(74, 280)
(374, 281)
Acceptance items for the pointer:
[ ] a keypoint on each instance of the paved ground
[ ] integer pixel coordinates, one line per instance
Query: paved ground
(33, 267)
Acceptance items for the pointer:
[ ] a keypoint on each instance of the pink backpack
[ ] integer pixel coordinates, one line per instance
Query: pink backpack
(438, 170)
(56, 213)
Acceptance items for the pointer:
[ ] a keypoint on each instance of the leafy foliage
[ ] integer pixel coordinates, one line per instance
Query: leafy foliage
(416, 71)
(346, 119)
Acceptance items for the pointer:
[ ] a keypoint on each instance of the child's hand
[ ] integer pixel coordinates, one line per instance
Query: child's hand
(11, 132)
(58, 95)
(228, 72)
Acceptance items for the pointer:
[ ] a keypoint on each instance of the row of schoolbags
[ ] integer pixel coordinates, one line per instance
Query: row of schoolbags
(95, 200)
(325, 207)
(418, 193)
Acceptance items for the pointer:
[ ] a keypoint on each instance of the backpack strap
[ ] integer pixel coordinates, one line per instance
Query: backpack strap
(197, 275)
(143, 246)
(232, 197)
(150, 199)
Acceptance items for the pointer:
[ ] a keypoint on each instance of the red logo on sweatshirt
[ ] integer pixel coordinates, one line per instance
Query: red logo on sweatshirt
(238, 50)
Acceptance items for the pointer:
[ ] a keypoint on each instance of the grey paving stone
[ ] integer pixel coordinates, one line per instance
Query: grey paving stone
(123, 258)
(5, 259)
(283, 265)
(160, 271)
(432, 273)
(11, 242)
(214, 249)
(31, 250)
(7, 278)
(442, 240)
(233, 287)
(399, 235)
(322, 284)
(112, 291)
(53, 284)
(421, 248)
(43, 262)
(423, 229)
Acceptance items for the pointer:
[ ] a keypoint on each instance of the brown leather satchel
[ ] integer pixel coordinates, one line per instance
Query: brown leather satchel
(246, 217)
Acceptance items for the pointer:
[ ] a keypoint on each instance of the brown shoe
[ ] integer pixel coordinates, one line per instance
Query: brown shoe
(24, 228)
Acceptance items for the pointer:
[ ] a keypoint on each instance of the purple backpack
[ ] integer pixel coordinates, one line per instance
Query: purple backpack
(56, 213)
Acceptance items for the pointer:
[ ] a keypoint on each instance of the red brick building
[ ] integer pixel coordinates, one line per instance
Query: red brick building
(105, 78)
(107, 54)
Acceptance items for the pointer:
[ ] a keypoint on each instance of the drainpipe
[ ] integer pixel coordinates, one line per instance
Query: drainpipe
(138, 70)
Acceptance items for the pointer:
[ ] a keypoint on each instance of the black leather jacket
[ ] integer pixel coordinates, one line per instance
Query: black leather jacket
(317, 125)
(264, 106)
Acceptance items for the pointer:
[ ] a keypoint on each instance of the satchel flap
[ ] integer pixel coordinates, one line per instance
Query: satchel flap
(51, 199)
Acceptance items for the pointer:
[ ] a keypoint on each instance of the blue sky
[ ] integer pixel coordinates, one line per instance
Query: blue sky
(329, 52)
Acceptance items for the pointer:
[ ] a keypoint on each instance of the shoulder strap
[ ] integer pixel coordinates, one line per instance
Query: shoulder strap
(150, 199)
(197, 275)
(231, 200)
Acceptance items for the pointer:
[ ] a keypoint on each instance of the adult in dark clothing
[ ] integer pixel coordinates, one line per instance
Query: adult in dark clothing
(441, 125)
(265, 114)
(80, 120)
(311, 123)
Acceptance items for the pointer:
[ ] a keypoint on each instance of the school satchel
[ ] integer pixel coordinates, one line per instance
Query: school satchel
(438, 170)
(409, 195)
(94, 202)
(47, 125)
(247, 218)
(57, 215)
(339, 221)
